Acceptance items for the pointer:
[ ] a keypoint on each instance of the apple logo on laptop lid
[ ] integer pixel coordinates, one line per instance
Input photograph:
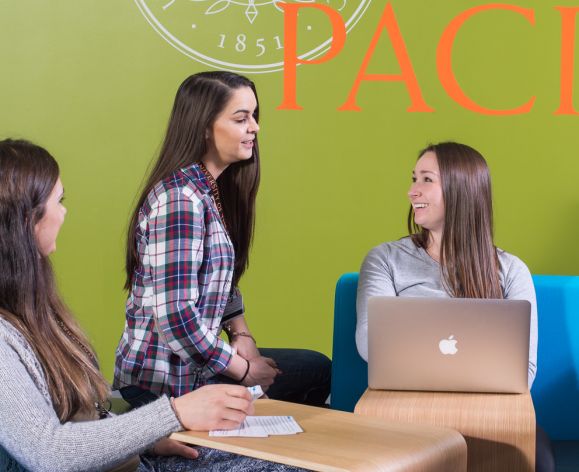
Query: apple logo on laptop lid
(448, 346)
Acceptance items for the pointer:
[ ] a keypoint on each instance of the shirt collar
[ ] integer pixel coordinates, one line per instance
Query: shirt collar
(195, 174)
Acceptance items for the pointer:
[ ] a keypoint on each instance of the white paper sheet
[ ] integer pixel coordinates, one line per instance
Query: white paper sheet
(262, 427)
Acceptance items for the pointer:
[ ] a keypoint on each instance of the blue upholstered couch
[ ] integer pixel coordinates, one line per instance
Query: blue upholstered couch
(556, 389)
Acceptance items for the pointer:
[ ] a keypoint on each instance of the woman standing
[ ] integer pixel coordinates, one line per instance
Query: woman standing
(450, 251)
(187, 248)
(52, 393)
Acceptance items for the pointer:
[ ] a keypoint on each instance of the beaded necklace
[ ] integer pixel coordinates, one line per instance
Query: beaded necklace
(102, 411)
(77, 341)
(214, 192)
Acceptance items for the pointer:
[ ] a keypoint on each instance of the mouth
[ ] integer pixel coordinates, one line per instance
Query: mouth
(248, 143)
(418, 206)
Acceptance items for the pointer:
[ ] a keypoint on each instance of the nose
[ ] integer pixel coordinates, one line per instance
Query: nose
(253, 126)
(414, 191)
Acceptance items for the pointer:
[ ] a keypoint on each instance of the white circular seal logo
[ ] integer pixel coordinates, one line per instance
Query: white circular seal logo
(244, 35)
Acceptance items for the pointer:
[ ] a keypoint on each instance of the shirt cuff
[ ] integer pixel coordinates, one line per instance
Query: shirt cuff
(220, 358)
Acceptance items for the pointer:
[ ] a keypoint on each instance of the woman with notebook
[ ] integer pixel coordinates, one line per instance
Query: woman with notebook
(450, 250)
(53, 395)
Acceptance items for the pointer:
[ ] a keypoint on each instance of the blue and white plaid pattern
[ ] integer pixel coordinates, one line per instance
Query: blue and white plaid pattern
(181, 291)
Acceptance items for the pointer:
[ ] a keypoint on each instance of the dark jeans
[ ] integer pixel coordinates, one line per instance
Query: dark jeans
(544, 457)
(305, 379)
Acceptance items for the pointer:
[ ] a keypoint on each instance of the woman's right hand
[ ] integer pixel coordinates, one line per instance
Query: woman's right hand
(210, 407)
(262, 371)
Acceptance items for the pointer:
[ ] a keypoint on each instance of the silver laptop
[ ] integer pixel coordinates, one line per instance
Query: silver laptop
(448, 344)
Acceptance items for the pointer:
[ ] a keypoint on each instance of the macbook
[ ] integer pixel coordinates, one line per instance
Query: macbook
(448, 344)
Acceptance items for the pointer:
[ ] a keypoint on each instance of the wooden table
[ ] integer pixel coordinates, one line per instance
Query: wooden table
(499, 428)
(335, 441)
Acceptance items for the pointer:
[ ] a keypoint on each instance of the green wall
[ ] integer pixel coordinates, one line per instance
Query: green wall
(94, 82)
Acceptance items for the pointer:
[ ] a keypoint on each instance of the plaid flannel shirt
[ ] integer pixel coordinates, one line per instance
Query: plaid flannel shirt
(181, 292)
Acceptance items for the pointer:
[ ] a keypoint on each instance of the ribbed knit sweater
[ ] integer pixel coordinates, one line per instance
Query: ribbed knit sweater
(32, 435)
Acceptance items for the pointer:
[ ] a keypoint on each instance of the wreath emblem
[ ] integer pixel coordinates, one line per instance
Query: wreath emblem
(242, 35)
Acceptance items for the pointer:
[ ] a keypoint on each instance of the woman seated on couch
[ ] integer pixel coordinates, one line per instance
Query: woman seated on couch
(450, 250)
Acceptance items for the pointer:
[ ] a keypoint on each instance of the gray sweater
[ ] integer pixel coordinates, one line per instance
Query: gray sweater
(399, 268)
(32, 434)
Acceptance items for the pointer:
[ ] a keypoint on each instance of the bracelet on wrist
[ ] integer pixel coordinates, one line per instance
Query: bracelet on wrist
(172, 401)
(234, 334)
(246, 372)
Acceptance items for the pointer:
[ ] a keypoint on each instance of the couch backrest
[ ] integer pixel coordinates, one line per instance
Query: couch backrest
(349, 370)
(556, 388)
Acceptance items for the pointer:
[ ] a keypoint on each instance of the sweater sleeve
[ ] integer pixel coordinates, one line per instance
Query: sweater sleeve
(375, 280)
(32, 433)
(519, 286)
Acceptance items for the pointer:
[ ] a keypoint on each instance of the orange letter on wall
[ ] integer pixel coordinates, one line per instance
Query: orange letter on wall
(291, 59)
(567, 59)
(388, 22)
(444, 60)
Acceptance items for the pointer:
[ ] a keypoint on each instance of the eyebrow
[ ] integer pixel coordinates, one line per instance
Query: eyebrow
(425, 172)
(241, 111)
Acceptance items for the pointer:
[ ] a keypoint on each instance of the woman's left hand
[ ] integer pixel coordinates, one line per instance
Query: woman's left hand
(245, 347)
(170, 447)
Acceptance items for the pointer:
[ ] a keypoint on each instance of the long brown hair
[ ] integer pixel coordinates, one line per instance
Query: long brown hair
(468, 256)
(199, 100)
(28, 296)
